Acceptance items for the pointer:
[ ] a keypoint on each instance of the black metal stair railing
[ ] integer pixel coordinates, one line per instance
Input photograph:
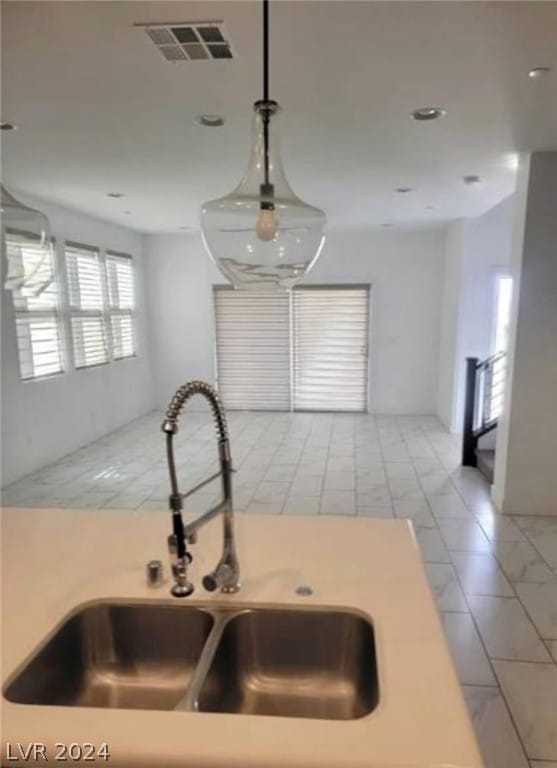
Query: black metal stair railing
(483, 402)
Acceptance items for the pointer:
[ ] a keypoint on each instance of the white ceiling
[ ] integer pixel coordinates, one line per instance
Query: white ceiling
(99, 109)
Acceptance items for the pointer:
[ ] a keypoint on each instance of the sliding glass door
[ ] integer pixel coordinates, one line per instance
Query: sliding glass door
(306, 350)
(253, 349)
(330, 348)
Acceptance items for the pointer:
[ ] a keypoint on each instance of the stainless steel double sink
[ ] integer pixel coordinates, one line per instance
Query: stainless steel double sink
(285, 662)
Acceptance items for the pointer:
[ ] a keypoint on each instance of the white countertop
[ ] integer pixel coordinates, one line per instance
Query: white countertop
(54, 560)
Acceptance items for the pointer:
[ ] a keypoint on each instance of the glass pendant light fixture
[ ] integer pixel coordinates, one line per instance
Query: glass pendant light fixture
(26, 231)
(262, 235)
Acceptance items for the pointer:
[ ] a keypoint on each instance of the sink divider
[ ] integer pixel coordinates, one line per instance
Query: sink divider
(189, 702)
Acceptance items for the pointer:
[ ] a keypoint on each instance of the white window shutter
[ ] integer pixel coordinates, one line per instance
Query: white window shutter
(121, 294)
(253, 349)
(39, 346)
(331, 338)
(30, 263)
(86, 305)
(37, 316)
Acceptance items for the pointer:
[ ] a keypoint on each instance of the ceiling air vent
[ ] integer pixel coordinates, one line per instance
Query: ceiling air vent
(190, 41)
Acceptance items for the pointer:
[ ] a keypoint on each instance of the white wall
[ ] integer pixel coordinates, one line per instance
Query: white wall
(525, 472)
(476, 250)
(405, 270)
(46, 419)
(517, 247)
(406, 273)
(450, 315)
(179, 279)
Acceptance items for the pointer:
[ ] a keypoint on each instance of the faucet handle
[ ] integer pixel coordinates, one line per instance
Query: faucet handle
(224, 576)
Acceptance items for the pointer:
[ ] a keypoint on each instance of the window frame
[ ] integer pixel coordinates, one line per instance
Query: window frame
(107, 311)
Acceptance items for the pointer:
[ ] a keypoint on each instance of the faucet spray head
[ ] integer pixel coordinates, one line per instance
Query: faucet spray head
(181, 587)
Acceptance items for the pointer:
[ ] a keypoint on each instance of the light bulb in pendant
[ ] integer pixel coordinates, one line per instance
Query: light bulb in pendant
(267, 225)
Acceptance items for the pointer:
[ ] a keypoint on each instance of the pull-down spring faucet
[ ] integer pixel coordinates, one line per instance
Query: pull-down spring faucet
(227, 573)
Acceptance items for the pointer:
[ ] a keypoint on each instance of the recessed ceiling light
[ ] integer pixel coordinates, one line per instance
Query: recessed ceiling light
(428, 113)
(471, 179)
(538, 72)
(8, 127)
(403, 190)
(115, 194)
(210, 121)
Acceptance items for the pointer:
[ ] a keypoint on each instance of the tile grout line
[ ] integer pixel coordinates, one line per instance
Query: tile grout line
(490, 661)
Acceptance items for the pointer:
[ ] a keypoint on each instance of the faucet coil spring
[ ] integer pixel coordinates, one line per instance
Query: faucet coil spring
(183, 394)
(226, 574)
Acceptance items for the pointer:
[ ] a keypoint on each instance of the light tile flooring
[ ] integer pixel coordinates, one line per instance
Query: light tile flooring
(495, 578)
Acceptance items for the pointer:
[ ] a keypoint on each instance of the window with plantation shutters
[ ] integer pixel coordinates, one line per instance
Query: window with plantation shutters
(330, 348)
(37, 316)
(253, 349)
(306, 350)
(86, 302)
(121, 296)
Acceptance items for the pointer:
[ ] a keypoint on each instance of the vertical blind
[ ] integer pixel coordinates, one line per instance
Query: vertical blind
(37, 318)
(307, 350)
(86, 298)
(253, 349)
(121, 295)
(330, 344)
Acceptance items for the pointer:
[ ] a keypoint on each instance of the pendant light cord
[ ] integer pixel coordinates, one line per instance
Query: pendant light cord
(265, 50)
(265, 114)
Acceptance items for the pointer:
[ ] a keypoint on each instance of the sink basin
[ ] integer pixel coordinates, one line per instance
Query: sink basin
(292, 663)
(121, 656)
(282, 662)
